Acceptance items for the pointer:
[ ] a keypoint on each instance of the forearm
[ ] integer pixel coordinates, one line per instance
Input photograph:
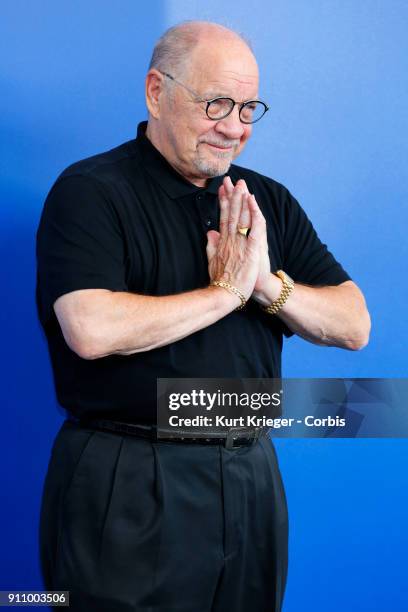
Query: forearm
(124, 323)
(329, 316)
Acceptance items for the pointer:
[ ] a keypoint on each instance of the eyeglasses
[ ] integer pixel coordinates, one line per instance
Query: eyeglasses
(219, 108)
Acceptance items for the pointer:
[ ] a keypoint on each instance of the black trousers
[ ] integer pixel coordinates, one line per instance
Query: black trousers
(130, 525)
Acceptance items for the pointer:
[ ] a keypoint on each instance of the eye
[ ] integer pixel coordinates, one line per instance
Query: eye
(219, 108)
(252, 111)
(248, 110)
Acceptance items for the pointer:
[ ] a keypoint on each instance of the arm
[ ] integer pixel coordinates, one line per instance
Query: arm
(97, 322)
(328, 316)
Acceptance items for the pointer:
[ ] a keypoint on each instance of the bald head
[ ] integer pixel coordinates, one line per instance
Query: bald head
(174, 50)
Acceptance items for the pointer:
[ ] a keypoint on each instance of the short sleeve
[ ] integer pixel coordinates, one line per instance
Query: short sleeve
(306, 259)
(79, 242)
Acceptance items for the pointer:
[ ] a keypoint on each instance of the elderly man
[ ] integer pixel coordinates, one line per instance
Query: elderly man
(161, 259)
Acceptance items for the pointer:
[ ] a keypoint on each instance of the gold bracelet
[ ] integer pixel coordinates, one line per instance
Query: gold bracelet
(233, 290)
(287, 287)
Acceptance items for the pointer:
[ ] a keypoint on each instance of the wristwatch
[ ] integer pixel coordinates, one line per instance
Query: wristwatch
(288, 284)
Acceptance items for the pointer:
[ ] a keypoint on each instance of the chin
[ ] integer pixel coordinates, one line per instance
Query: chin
(211, 168)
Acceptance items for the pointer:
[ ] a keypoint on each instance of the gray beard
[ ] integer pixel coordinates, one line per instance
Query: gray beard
(215, 168)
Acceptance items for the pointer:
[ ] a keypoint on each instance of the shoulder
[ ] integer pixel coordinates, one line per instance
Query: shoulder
(86, 187)
(104, 168)
(90, 183)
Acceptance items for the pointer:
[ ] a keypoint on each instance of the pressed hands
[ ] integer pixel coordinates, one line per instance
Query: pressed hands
(241, 261)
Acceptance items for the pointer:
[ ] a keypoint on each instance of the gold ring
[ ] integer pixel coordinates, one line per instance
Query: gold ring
(243, 231)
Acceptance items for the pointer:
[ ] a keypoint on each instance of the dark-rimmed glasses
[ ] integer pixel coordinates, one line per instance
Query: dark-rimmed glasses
(219, 108)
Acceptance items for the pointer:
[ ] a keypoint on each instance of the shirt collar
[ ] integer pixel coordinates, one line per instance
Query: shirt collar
(159, 169)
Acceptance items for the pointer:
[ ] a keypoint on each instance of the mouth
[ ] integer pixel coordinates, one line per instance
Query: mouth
(218, 147)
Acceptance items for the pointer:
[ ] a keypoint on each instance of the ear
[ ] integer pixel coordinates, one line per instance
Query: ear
(153, 89)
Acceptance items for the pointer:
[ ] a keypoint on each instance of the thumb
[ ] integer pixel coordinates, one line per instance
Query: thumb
(213, 239)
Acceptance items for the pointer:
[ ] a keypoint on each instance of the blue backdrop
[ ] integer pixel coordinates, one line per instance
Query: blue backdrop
(334, 74)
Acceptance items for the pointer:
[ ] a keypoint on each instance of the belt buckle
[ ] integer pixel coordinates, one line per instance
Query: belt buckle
(235, 433)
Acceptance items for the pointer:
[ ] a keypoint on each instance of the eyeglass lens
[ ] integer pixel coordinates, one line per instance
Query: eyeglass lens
(221, 107)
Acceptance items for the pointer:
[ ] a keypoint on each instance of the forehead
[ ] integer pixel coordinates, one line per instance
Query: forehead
(224, 68)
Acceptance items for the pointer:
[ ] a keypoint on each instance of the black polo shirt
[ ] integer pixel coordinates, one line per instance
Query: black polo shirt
(125, 220)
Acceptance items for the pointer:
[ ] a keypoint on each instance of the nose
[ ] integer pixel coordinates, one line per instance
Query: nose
(231, 126)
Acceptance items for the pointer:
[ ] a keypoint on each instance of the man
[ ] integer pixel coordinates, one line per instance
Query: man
(158, 259)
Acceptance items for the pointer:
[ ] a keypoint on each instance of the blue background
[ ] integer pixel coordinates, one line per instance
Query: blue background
(334, 74)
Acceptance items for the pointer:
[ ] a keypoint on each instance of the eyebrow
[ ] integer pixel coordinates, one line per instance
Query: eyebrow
(214, 94)
(209, 95)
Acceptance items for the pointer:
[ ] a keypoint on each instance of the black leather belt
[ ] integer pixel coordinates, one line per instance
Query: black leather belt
(233, 437)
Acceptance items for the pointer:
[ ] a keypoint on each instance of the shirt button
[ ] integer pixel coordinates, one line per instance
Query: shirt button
(208, 222)
(200, 196)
